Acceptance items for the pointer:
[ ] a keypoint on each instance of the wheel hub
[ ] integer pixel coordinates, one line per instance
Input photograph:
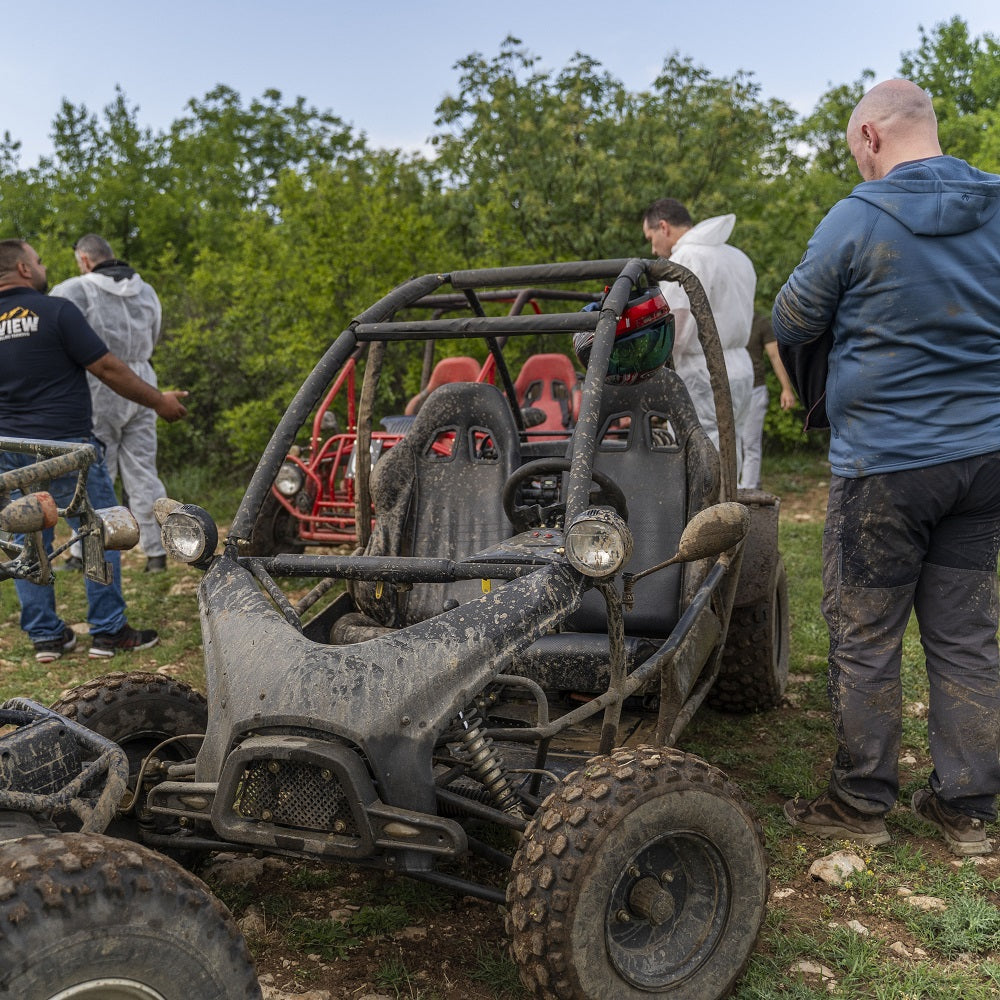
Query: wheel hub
(651, 901)
(667, 911)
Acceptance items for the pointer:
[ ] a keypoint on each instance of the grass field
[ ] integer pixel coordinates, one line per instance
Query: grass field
(863, 939)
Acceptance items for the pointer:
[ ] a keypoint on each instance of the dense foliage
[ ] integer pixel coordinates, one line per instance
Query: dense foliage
(266, 226)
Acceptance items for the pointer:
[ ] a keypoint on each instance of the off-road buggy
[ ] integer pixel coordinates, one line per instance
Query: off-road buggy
(82, 914)
(313, 498)
(428, 697)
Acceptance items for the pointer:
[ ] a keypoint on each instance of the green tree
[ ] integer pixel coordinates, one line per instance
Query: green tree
(291, 279)
(20, 211)
(103, 178)
(962, 75)
(541, 165)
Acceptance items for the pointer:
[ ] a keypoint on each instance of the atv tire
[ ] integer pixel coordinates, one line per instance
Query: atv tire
(96, 918)
(138, 711)
(754, 671)
(643, 875)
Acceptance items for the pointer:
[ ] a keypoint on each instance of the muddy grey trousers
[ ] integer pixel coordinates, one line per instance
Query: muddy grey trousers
(923, 540)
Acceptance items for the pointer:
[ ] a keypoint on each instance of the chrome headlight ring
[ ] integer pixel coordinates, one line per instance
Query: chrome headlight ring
(289, 479)
(598, 543)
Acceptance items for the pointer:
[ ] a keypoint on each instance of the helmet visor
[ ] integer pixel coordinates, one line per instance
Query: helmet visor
(645, 350)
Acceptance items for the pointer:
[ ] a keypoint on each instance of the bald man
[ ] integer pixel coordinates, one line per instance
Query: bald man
(901, 281)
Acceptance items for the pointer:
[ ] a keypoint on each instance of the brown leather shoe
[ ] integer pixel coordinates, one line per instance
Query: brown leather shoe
(825, 816)
(965, 835)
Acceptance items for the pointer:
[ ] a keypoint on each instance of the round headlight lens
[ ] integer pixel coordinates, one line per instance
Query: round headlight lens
(289, 479)
(598, 543)
(189, 534)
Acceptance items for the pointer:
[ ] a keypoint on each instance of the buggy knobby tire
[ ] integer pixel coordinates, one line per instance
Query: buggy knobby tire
(273, 532)
(644, 875)
(138, 711)
(94, 918)
(754, 670)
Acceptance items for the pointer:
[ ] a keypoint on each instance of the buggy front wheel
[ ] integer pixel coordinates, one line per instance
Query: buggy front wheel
(644, 875)
(94, 918)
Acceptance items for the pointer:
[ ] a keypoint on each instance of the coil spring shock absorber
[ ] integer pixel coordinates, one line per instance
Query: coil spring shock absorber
(484, 762)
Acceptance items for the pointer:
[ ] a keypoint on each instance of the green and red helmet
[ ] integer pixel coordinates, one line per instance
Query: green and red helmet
(644, 338)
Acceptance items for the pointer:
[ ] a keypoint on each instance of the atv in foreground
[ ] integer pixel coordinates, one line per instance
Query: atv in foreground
(505, 666)
(82, 914)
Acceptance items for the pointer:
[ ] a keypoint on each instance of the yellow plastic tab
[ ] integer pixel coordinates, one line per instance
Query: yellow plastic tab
(487, 586)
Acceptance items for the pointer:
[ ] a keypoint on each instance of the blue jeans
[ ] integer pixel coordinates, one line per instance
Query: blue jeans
(105, 603)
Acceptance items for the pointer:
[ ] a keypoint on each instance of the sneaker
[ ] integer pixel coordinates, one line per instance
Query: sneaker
(826, 816)
(126, 638)
(73, 564)
(155, 564)
(47, 650)
(965, 835)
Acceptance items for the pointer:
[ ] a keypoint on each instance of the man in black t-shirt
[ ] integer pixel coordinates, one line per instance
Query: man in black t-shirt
(46, 349)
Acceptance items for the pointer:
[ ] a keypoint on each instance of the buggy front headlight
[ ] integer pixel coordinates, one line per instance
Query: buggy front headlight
(289, 479)
(189, 534)
(598, 542)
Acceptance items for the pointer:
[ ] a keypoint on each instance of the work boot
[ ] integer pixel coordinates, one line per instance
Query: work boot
(48, 650)
(155, 564)
(965, 835)
(126, 638)
(825, 816)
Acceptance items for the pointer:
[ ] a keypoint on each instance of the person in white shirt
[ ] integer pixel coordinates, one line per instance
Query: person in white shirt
(729, 280)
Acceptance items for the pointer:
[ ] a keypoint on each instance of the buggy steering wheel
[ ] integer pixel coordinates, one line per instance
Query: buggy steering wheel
(524, 517)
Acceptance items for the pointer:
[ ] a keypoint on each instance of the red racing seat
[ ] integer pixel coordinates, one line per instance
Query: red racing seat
(447, 370)
(548, 382)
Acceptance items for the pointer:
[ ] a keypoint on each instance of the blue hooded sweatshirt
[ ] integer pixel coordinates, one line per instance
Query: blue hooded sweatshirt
(904, 273)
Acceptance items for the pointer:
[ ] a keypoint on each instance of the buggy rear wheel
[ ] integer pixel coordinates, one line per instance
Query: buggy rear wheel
(754, 671)
(87, 917)
(643, 875)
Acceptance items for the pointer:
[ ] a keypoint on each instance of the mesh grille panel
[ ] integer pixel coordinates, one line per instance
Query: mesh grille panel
(294, 794)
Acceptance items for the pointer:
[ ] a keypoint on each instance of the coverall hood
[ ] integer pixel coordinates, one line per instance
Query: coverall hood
(960, 204)
(710, 232)
(124, 287)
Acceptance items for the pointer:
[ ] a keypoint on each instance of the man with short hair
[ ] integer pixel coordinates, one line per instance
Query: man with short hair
(729, 280)
(46, 349)
(900, 284)
(125, 313)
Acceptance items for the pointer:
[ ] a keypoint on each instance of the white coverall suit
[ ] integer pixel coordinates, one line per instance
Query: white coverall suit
(126, 315)
(730, 282)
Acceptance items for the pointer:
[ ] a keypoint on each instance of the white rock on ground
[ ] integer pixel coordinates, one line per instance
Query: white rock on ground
(929, 904)
(836, 868)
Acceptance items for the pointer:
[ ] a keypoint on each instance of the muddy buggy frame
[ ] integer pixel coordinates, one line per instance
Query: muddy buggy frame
(434, 690)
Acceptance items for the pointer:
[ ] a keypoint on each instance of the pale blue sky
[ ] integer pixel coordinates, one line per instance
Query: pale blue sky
(384, 66)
